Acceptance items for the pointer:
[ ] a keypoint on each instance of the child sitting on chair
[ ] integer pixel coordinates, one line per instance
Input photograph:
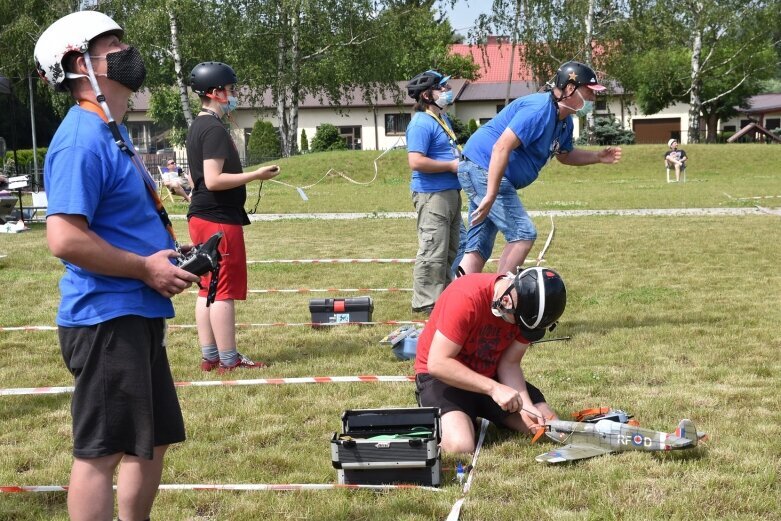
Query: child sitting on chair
(675, 158)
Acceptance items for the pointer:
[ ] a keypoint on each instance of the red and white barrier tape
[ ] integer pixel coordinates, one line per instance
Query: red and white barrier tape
(28, 328)
(455, 512)
(326, 290)
(14, 489)
(214, 383)
(245, 325)
(338, 261)
(753, 198)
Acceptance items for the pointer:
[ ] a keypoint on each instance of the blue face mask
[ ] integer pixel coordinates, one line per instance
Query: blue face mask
(586, 109)
(445, 99)
(233, 101)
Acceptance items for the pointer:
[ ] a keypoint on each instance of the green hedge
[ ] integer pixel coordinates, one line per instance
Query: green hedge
(25, 157)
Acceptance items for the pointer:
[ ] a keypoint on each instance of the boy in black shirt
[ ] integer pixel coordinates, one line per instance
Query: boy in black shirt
(218, 198)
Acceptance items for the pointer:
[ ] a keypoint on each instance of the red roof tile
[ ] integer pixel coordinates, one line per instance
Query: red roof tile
(494, 62)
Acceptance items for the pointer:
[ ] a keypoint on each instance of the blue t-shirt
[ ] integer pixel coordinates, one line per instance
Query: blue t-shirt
(87, 174)
(426, 136)
(534, 120)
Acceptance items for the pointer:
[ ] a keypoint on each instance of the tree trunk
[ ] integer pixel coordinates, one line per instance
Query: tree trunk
(589, 23)
(185, 100)
(695, 101)
(287, 89)
(295, 85)
(712, 121)
(513, 47)
(280, 90)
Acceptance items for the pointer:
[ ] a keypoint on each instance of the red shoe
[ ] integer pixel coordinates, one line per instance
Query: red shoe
(208, 365)
(243, 363)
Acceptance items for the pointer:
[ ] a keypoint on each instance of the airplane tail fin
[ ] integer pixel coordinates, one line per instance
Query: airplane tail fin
(687, 430)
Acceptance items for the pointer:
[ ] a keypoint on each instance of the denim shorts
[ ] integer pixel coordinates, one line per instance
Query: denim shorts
(507, 214)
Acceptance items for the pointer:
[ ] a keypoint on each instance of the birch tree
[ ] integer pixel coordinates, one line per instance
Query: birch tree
(327, 49)
(711, 54)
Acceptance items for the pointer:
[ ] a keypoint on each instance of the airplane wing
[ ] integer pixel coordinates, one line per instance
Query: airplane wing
(571, 453)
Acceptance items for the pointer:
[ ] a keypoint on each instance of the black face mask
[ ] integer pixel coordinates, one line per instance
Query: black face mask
(126, 67)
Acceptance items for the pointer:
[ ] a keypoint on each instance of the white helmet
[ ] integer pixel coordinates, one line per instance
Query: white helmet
(71, 33)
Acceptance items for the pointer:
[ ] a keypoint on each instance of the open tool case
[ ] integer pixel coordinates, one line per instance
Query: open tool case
(386, 446)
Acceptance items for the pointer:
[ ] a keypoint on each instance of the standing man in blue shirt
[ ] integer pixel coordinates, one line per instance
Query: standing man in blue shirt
(433, 155)
(104, 223)
(507, 154)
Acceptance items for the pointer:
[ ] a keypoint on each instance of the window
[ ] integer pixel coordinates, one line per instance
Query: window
(352, 135)
(483, 121)
(729, 128)
(396, 124)
(600, 104)
(499, 108)
(772, 123)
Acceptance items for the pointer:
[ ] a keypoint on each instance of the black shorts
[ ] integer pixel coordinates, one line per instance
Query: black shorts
(431, 392)
(125, 400)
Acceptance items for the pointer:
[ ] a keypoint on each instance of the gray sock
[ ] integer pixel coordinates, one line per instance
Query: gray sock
(229, 357)
(210, 352)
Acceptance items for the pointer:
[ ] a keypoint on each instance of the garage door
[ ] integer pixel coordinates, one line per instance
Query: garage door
(656, 131)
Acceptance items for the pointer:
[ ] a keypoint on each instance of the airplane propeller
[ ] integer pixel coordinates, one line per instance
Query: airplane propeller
(540, 431)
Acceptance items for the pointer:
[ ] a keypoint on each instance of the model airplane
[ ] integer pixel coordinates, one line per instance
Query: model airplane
(586, 440)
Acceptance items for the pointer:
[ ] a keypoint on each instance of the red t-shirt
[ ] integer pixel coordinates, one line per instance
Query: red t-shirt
(463, 314)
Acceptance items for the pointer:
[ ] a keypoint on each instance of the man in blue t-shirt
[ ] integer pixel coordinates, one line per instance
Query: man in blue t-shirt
(433, 155)
(103, 223)
(507, 154)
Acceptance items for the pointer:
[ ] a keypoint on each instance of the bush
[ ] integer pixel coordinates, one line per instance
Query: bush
(461, 131)
(25, 157)
(304, 142)
(607, 131)
(264, 141)
(327, 138)
(724, 136)
(472, 125)
(9, 168)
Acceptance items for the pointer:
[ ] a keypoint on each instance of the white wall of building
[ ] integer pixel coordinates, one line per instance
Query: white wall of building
(631, 112)
(477, 110)
(373, 135)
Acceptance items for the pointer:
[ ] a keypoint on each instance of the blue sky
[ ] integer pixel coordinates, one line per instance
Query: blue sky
(463, 17)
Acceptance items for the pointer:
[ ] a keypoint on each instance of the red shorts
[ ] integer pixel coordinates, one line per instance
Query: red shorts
(232, 284)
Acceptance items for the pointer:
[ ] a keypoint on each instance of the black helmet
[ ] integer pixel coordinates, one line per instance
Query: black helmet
(424, 81)
(211, 75)
(542, 298)
(578, 74)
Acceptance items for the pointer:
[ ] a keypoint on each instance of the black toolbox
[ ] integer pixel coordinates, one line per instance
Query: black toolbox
(386, 446)
(341, 310)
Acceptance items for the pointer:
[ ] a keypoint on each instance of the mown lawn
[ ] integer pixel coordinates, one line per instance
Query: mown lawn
(671, 317)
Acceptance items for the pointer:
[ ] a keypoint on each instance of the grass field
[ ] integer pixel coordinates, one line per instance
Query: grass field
(671, 317)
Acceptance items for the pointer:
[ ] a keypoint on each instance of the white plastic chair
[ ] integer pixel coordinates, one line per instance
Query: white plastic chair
(683, 174)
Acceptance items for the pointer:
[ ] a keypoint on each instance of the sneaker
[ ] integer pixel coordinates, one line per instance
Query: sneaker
(243, 363)
(208, 365)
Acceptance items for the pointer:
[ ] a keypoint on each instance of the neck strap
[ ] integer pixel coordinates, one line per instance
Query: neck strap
(446, 128)
(210, 111)
(145, 177)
